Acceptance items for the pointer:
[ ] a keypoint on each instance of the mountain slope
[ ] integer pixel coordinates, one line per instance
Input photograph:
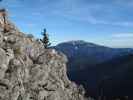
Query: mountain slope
(118, 77)
(83, 54)
(114, 76)
(90, 64)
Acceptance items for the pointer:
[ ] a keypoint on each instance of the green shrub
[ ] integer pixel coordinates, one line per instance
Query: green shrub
(17, 51)
(30, 36)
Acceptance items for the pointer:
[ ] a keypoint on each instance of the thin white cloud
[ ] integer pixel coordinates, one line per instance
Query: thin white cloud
(123, 23)
(30, 25)
(125, 3)
(75, 10)
(11, 4)
(36, 13)
(122, 35)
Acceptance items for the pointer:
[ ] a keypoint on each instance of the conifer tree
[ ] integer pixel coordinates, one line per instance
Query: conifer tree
(45, 39)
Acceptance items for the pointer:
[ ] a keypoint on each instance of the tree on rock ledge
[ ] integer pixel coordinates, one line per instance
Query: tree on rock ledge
(45, 39)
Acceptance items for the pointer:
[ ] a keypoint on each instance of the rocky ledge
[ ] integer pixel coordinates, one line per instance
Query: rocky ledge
(30, 72)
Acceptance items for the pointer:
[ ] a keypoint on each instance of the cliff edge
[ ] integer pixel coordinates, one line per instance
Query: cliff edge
(30, 72)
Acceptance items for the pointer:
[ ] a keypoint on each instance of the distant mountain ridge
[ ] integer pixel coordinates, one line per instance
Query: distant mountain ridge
(89, 64)
(84, 54)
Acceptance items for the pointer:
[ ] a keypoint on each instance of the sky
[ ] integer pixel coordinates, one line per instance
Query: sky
(104, 22)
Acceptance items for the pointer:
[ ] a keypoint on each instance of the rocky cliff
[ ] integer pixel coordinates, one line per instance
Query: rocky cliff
(30, 72)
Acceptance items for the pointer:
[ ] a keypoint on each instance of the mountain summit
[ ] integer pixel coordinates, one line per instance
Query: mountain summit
(83, 54)
(30, 72)
(80, 42)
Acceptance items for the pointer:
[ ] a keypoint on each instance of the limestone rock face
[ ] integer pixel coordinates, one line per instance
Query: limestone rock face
(30, 72)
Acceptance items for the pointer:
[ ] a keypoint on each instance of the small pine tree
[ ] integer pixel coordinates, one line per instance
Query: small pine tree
(45, 39)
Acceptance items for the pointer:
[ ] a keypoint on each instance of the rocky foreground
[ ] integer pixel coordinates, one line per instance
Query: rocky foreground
(30, 72)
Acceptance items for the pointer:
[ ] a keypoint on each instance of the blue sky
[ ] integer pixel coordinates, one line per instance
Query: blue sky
(105, 22)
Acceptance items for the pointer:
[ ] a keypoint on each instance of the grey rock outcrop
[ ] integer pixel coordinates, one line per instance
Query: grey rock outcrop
(30, 72)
